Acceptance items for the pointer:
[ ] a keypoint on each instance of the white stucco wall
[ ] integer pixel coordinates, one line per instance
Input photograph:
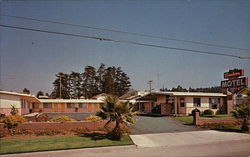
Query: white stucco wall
(204, 104)
(7, 100)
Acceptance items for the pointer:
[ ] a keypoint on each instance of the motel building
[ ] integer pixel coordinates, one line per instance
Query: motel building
(177, 103)
(26, 103)
(164, 103)
(23, 102)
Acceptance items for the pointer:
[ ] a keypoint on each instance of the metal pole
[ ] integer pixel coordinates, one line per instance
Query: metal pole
(60, 87)
(150, 83)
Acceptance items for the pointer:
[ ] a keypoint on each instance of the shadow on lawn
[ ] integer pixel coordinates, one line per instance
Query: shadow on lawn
(99, 136)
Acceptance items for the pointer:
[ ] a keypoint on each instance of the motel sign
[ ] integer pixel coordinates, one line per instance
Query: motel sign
(235, 81)
(240, 82)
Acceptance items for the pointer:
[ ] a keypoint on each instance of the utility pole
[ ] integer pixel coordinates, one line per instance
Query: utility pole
(60, 87)
(60, 77)
(150, 85)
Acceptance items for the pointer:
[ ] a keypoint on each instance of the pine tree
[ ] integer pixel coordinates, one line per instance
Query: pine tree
(26, 91)
(61, 86)
(39, 93)
(89, 82)
(100, 78)
(75, 82)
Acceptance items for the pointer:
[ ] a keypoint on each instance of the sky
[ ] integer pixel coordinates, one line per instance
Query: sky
(31, 59)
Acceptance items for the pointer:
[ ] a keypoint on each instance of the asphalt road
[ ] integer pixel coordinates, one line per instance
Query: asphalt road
(147, 124)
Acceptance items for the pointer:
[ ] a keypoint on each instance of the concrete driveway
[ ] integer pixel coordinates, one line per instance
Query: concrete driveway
(146, 124)
(186, 138)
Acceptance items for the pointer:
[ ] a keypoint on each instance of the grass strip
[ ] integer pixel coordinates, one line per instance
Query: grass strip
(35, 144)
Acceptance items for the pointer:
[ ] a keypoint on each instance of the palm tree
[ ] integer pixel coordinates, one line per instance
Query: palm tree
(243, 112)
(118, 112)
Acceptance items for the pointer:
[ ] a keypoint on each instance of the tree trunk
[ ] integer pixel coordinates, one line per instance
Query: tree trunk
(244, 126)
(117, 133)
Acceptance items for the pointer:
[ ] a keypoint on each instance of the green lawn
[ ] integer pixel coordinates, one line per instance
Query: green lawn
(56, 143)
(185, 119)
(189, 119)
(218, 116)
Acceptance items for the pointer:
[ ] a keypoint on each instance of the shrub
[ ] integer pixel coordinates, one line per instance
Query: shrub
(41, 118)
(2, 134)
(47, 132)
(81, 131)
(62, 119)
(93, 118)
(12, 121)
(22, 132)
(14, 110)
(222, 110)
(2, 115)
(208, 112)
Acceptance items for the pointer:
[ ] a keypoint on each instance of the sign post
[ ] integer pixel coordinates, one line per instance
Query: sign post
(234, 83)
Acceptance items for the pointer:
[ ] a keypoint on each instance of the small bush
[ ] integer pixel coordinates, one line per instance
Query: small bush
(93, 118)
(81, 131)
(47, 132)
(208, 112)
(2, 115)
(12, 121)
(2, 134)
(62, 119)
(14, 110)
(41, 118)
(22, 132)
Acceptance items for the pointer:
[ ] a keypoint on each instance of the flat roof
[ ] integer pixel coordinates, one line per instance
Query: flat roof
(191, 94)
(70, 101)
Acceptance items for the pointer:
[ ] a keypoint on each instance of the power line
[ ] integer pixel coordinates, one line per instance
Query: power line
(125, 32)
(125, 41)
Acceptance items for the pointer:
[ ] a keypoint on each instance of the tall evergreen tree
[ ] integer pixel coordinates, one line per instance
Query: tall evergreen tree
(110, 80)
(61, 86)
(100, 78)
(75, 83)
(89, 82)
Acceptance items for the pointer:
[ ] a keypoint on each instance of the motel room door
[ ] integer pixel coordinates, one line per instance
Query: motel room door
(55, 107)
(62, 107)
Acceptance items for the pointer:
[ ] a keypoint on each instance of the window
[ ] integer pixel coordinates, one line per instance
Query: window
(70, 105)
(197, 102)
(47, 105)
(34, 105)
(214, 102)
(182, 102)
(83, 106)
(23, 103)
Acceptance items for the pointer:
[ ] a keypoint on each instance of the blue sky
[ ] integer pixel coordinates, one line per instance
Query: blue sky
(31, 59)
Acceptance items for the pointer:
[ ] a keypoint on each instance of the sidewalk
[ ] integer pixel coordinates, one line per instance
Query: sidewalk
(186, 138)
